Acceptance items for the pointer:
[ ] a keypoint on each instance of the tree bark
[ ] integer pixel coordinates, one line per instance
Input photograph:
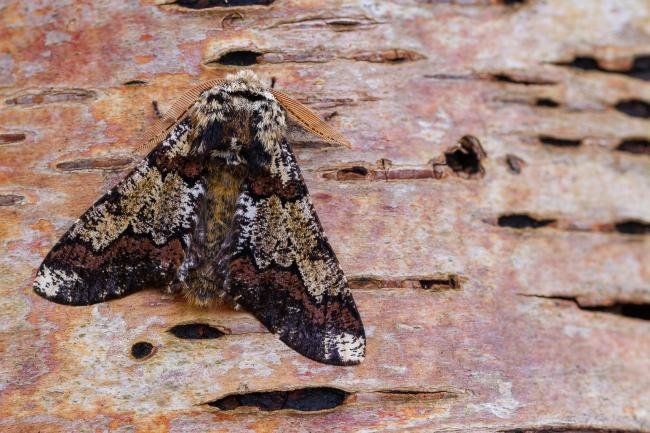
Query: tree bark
(503, 278)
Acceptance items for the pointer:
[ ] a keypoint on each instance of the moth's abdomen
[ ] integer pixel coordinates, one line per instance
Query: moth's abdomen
(203, 284)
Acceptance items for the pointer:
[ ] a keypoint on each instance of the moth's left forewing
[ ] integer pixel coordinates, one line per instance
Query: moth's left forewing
(283, 269)
(134, 236)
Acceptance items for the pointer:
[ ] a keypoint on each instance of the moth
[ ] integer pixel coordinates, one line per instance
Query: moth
(218, 211)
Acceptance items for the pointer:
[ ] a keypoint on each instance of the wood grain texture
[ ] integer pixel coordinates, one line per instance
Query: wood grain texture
(546, 326)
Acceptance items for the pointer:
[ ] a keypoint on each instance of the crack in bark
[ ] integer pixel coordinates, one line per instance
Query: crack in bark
(101, 163)
(437, 282)
(639, 146)
(336, 23)
(247, 57)
(195, 331)
(217, 4)
(463, 160)
(51, 95)
(634, 108)
(568, 429)
(637, 67)
(528, 221)
(310, 399)
(12, 137)
(626, 309)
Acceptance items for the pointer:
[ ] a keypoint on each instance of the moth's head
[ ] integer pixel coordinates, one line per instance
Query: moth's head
(241, 122)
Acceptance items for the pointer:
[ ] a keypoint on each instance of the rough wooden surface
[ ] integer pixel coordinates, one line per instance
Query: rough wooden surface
(473, 325)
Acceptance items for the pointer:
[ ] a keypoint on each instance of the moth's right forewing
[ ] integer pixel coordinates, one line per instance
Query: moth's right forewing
(279, 266)
(134, 236)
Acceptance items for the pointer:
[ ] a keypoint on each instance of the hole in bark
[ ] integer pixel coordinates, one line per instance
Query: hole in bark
(515, 164)
(639, 146)
(206, 4)
(635, 311)
(196, 331)
(238, 58)
(142, 350)
(466, 157)
(508, 78)
(450, 283)
(582, 62)
(393, 55)
(634, 108)
(352, 173)
(12, 138)
(135, 83)
(443, 282)
(304, 399)
(560, 142)
(546, 102)
(640, 67)
(625, 309)
(522, 221)
(107, 163)
(156, 108)
(633, 227)
(11, 199)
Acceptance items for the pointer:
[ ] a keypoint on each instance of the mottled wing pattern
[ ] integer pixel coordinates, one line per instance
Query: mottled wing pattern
(136, 235)
(279, 266)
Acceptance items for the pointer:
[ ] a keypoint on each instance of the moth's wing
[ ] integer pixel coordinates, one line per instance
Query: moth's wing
(279, 266)
(135, 236)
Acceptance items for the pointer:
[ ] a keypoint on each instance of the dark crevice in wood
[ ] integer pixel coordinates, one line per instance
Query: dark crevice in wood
(632, 227)
(11, 199)
(465, 158)
(420, 395)
(546, 102)
(626, 309)
(361, 172)
(101, 163)
(433, 283)
(522, 221)
(640, 67)
(237, 58)
(633, 311)
(156, 109)
(634, 108)
(393, 55)
(565, 429)
(50, 96)
(337, 24)
(208, 4)
(559, 142)
(639, 146)
(134, 83)
(142, 350)
(12, 137)
(514, 163)
(303, 399)
(513, 79)
(195, 331)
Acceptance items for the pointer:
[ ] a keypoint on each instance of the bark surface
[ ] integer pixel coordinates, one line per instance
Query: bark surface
(504, 282)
